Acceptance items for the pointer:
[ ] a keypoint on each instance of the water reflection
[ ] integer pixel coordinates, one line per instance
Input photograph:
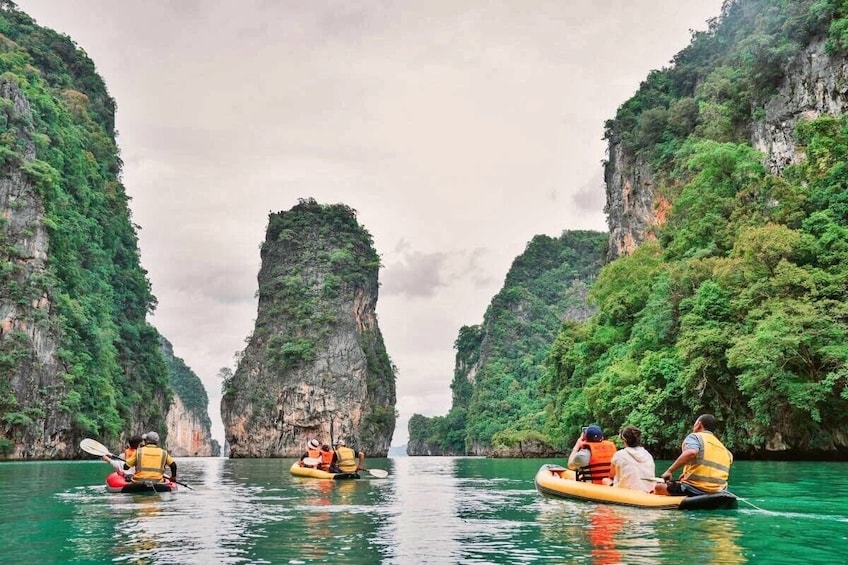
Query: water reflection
(430, 510)
(422, 526)
(606, 533)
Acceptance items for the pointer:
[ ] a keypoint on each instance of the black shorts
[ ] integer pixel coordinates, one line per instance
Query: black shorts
(676, 488)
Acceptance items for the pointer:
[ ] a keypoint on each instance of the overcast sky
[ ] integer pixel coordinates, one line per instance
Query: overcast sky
(458, 129)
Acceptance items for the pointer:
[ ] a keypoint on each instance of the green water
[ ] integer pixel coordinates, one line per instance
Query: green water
(429, 510)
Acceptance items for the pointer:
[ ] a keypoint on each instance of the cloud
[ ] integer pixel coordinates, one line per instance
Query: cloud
(416, 275)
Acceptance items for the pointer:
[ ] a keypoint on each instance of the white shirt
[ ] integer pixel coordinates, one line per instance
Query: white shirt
(632, 464)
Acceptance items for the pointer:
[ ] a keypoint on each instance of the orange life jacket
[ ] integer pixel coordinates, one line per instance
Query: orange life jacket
(599, 462)
(326, 458)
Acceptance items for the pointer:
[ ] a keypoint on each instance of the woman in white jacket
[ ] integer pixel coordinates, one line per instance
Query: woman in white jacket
(630, 466)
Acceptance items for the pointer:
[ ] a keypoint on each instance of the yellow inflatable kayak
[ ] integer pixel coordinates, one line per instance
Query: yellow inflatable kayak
(559, 482)
(314, 473)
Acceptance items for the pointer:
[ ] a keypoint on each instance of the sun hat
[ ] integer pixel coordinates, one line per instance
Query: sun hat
(313, 444)
(340, 442)
(152, 437)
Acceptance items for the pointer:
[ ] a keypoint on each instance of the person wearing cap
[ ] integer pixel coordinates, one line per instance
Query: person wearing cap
(591, 455)
(313, 451)
(150, 461)
(346, 460)
(705, 461)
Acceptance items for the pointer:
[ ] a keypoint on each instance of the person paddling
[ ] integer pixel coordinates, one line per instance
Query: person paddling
(150, 461)
(705, 461)
(346, 460)
(132, 445)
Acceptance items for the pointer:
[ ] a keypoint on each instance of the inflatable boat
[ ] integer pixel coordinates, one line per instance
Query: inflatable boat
(559, 482)
(115, 482)
(313, 473)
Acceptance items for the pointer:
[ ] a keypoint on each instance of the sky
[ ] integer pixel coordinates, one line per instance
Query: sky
(458, 130)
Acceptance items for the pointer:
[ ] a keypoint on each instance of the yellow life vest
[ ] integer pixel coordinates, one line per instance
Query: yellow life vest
(345, 459)
(709, 473)
(150, 463)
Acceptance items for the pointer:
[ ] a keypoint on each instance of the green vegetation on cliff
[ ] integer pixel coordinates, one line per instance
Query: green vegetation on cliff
(187, 385)
(114, 373)
(499, 363)
(316, 357)
(739, 306)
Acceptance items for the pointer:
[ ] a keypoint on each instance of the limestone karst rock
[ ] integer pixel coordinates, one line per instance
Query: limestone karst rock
(315, 365)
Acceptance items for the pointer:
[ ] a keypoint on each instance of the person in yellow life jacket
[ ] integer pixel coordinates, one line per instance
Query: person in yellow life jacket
(132, 444)
(346, 460)
(150, 461)
(591, 455)
(313, 451)
(705, 461)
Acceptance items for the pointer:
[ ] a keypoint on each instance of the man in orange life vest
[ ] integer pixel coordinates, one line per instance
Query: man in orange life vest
(591, 455)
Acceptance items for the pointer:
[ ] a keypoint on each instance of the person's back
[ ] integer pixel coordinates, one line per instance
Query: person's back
(150, 461)
(591, 455)
(346, 459)
(705, 461)
(632, 465)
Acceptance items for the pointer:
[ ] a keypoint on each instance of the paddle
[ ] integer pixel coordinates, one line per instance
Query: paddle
(173, 480)
(96, 448)
(654, 479)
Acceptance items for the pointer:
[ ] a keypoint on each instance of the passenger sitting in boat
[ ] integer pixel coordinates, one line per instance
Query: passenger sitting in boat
(630, 466)
(150, 461)
(346, 460)
(129, 451)
(705, 461)
(590, 457)
(326, 455)
(313, 451)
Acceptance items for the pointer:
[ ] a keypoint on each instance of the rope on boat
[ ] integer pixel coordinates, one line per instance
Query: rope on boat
(750, 504)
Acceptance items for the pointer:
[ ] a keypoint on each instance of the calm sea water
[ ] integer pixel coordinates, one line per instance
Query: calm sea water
(429, 510)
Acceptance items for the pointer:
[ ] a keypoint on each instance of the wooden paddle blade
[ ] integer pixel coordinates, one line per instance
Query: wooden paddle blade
(94, 447)
(379, 473)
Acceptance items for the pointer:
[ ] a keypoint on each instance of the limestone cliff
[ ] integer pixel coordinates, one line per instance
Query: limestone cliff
(77, 356)
(187, 435)
(315, 365)
(189, 426)
(814, 84)
(495, 403)
(28, 342)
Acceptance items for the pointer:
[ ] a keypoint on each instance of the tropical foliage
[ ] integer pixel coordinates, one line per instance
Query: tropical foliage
(736, 304)
(114, 374)
(498, 363)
